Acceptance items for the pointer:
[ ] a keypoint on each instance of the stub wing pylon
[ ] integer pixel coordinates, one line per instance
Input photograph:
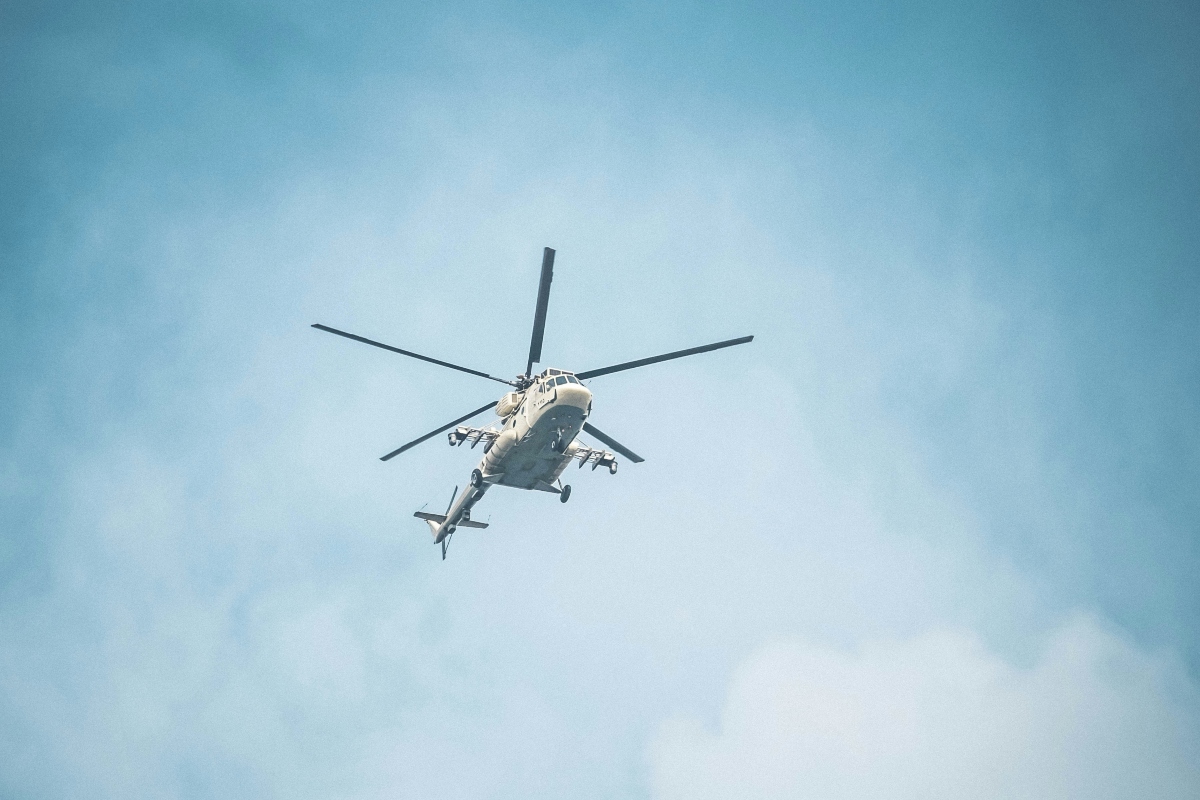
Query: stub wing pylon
(464, 434)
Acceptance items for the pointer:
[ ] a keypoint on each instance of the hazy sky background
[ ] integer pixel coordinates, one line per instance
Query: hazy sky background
(933, 534)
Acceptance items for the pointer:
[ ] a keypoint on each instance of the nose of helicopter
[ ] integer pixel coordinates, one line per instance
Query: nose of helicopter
(573, 394)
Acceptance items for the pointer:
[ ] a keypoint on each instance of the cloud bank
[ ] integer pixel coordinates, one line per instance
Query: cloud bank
(939, 716)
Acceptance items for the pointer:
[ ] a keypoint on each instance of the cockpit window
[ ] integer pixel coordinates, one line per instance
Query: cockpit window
(571, 379)
(560, 380)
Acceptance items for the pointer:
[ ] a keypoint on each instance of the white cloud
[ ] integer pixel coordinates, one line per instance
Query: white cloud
(941, 716)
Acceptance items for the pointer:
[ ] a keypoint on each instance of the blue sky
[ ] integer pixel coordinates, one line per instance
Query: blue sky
(941, 512)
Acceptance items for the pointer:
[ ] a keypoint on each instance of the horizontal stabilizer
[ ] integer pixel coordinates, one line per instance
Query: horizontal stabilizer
(439, 518)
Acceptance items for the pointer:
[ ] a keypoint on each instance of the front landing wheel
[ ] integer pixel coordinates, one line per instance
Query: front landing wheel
(565, 494)
(476, 478)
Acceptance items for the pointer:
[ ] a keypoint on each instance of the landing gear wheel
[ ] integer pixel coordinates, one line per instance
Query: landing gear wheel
(565, 494)
(476, 478)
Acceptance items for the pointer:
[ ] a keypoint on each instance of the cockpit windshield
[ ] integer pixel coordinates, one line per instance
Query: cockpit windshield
(554, 377)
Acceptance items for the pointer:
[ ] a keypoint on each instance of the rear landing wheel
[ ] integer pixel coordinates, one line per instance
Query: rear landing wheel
(565, 494)
(476, 478)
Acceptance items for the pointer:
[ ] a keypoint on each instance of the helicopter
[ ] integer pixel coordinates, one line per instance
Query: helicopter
(535, 437)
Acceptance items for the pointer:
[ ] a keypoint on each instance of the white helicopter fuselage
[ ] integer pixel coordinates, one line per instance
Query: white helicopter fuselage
(535, 445)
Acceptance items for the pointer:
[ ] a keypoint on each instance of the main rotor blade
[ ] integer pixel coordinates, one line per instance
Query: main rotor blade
(373, 343)
(613, 443)
(539, 314)
(641, 362)
(446, 427)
